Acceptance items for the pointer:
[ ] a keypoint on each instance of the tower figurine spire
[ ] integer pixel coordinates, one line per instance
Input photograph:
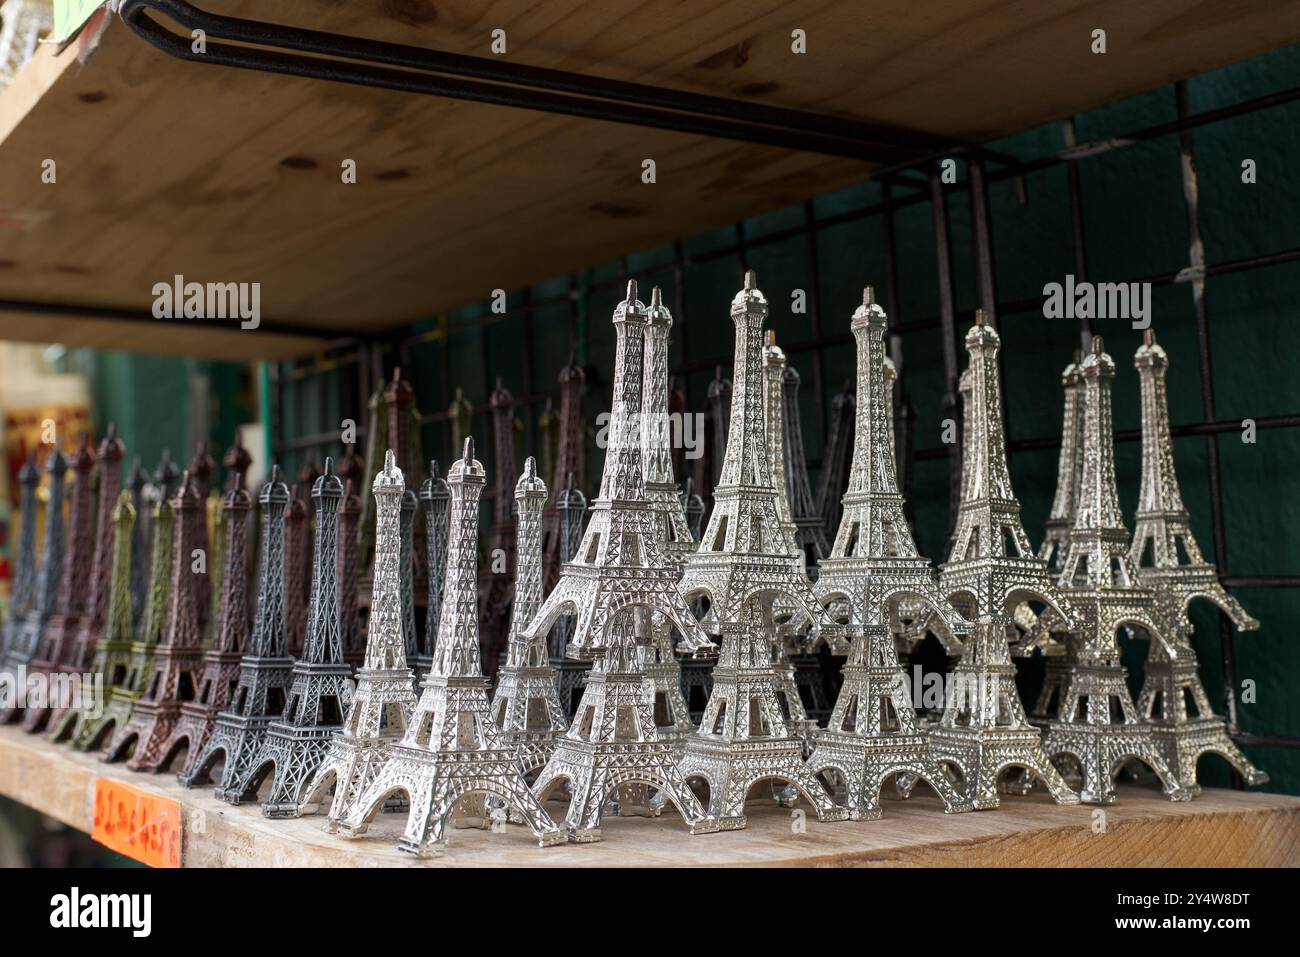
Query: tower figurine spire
(990, 572)
(568, 459)
(321, 687)
(177, 655)
(382, 704)
(452, 751)
(74, 582)
(746, 563)
(222, 662)
(264, 672)
(612, 742)
(526, 707)
(1097, 724)
(1169, 562)
(874, 569)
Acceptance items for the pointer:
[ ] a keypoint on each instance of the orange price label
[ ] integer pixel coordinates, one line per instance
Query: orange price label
(140, 825)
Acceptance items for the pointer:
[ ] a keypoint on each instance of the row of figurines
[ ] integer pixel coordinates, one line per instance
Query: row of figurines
(651, 660)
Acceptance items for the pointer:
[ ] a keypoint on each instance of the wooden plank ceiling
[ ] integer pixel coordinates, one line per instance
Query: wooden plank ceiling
(169, 167)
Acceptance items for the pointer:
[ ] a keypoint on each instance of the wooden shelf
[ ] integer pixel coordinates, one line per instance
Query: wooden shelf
(1219, 828)
(222, 175)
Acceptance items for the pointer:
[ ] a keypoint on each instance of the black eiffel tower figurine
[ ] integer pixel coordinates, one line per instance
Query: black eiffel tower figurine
(264, 672)
(321, 690)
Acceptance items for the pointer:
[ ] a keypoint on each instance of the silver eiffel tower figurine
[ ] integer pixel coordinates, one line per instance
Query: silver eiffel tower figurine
(873, 732)
(990, 572)
(526, 706)
(436, 498)
(321, 688)
(745, 565)
(619, 566)
(672, 717)
(1169, 562)
(787, 614)
(452, 751)
(1097, 726)
(1069, 470)
(384, 699)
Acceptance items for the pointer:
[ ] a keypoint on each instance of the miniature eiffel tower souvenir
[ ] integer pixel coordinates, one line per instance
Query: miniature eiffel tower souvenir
(526, 707)
(1097, 725)
(384, 699)
(22, 599)
(350, 630)
(990, 572)
(60, 634)
(321, 687)
(873, 732)
(265, 672)
(570, 673)
(221, 665)
(618, 567)
(745, 564)
(178, 654)
(1169, 562)
(113, 651)
(568, 457)
(113, 728)
(452, 751)
(81, 654)
(494, 601)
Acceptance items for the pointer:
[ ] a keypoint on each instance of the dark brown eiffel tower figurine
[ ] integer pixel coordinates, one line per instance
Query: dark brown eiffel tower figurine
(30, 632)
(73, 586)
(221, 663)
(435, 495)
(201, 468)
(321, 690)
(111, 727)
(1097, 725)
(264, 673)
(1169, 562)
(296, 531)
(350, 630)
(177, 657)
(568, 455)
(90, 630)
(497, 586)
(23, 597)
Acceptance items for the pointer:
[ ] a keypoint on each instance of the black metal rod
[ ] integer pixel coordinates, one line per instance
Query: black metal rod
(410, 69)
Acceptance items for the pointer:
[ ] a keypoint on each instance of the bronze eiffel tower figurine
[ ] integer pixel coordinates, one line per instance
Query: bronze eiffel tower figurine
(23, 597)
(568, 459)
(1169, 562)
(1097, 726)
(219, 677)
(90, 631)
(177, 657)
(496, 587)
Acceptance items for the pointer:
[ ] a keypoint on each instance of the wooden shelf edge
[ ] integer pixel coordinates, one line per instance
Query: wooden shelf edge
(1220, 828)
